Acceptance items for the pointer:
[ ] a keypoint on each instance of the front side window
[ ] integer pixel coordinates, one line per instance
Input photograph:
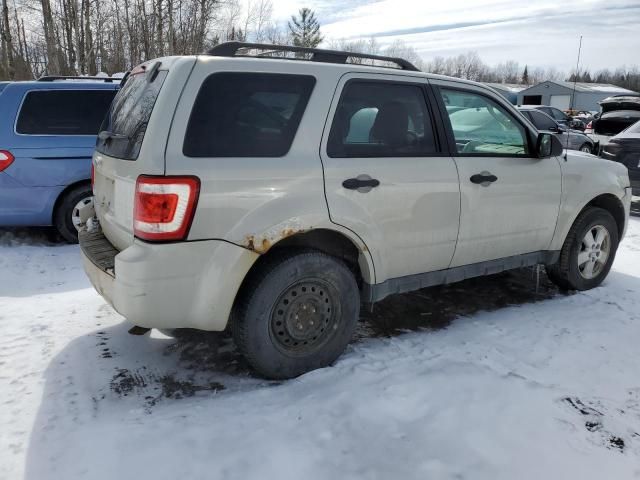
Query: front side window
(63, 112)
(247, 115)
(380, 119)
(542, 121)
(482, 126)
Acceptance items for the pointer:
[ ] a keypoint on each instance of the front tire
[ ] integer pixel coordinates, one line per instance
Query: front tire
(297, 313)
(588, 251)
(66, 218)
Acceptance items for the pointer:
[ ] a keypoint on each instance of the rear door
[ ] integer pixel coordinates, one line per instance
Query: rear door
(509, 198)
(133, 139)
(387, 177)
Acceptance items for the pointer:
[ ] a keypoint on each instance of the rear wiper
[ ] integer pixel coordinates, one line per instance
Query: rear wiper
(105, 135)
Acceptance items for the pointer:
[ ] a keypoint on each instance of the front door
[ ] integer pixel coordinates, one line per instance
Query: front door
(509, 198)
(386, 176)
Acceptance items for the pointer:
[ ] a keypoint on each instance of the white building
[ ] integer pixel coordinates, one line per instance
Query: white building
(561, 94)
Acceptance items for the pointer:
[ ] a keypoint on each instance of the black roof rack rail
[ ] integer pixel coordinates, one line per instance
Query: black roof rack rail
(230, 49)
(53, 78)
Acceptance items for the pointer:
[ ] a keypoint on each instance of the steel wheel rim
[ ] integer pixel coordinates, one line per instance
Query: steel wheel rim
(75, 213)
(585, 149)
(595, 249)
(305, 317)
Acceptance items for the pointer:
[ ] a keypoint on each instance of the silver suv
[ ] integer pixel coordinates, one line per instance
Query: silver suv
(274, 189)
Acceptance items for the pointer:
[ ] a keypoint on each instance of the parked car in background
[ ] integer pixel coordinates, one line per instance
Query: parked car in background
(47, 136)
(572, 139)
(617, 113)
(561, 117)
(625, 148)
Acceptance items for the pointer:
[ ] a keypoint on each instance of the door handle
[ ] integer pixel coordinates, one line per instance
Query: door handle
(357, 183)
(483, 178)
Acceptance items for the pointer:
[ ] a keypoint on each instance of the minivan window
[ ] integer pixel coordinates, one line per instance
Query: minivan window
(381, 119)
(247, 115)
(482, 126)
(124, 127)
(63, 112)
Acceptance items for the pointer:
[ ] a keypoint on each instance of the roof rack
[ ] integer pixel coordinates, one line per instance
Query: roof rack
(53, 78)
(230, 49)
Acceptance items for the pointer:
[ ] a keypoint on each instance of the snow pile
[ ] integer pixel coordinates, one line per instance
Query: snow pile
(548, 389)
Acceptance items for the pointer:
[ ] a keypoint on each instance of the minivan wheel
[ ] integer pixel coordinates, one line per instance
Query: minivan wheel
(588, 252)
(296, 313)
(66, 217)
(586, 148)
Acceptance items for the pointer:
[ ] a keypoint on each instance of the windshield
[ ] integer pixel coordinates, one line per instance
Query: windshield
(123, 130)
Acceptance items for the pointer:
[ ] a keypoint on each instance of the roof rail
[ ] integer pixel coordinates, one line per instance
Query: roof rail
(53, 78)
(230, 49)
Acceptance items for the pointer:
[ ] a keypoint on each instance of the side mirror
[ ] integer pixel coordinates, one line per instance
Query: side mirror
(548, 145)
(561, 129)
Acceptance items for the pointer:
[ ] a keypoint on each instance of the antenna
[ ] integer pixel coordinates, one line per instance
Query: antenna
(573, 93)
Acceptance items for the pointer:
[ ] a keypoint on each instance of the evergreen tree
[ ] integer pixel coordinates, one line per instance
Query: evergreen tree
(305, 29)
(525, 76)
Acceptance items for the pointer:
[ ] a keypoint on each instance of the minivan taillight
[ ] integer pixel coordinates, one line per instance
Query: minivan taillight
(6, 159)
(164, 207)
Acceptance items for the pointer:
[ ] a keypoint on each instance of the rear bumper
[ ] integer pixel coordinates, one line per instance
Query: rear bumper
(174, 285)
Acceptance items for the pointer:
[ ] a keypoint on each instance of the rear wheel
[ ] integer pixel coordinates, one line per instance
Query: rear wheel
(67, 217)
(588, 252)
(586, 148)
(297, 313)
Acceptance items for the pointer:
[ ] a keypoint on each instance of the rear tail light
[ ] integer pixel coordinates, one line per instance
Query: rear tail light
(6, 159)
(589, 128)
(164, 207)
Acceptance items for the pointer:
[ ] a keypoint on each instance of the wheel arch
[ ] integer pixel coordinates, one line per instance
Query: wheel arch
(611, 204)
(332, 242)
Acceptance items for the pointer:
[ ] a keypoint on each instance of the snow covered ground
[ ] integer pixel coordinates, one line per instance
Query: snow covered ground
(495, 381)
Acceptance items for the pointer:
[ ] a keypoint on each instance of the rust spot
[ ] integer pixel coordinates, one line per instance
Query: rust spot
(263, 244)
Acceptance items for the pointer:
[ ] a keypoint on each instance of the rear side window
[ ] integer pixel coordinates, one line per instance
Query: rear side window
(247, 115)
(63, 112)
(381, 119)
(124, 127)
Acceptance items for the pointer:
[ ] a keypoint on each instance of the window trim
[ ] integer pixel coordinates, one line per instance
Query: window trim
(438, 133)
(453, 149)
(27, 92)
(249, 72)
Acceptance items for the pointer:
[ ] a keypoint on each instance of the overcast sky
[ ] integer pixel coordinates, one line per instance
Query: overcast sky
(535, 32)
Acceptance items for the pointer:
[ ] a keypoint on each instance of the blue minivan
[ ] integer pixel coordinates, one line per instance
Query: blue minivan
(47, 136)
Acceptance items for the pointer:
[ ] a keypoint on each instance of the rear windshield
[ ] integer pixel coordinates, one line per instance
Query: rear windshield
(124, 127)
(63, 112)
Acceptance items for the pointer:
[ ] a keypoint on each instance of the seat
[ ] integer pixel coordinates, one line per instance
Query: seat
(391, 125)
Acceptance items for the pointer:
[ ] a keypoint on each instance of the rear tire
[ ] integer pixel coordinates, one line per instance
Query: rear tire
(586, 148)
(588, 251)
(65, 216)
(297, 313)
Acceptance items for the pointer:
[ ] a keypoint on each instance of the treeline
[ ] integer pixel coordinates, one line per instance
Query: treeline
(84, 37)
